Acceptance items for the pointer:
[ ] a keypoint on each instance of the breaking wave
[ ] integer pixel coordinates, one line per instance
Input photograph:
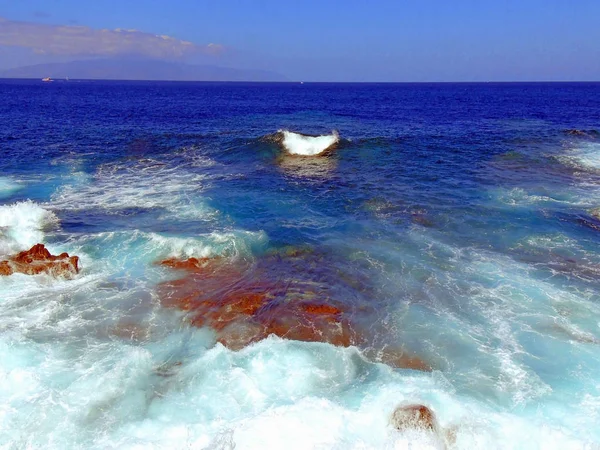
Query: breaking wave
(301, 144)
(22, 225)
(585, 156)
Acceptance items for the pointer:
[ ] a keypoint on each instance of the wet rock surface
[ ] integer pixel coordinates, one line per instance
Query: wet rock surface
(287, 293)
(414, 417)
(39, 260)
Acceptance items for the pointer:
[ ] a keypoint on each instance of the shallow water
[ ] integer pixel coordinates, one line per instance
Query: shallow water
(454, 223)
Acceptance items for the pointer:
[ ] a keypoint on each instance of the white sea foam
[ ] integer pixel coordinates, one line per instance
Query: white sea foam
(583, 195)
(147, 184)
(8, 186)
(134, 254)
(71, 383)
(75, 378)
(231, 244)
(586, 156)
(22, 225)
(274, 394)
(499, 326)
(299, 144)
(514, 305)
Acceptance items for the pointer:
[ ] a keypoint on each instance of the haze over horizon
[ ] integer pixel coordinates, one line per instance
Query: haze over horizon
(533, 40)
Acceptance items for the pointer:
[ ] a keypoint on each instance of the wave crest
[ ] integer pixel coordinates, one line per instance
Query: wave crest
(22, 225)
(305, 145)
(586, 156)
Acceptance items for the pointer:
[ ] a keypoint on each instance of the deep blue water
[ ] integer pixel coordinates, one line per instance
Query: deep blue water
(457, 222)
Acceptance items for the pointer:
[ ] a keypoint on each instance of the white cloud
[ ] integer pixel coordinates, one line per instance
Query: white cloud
(68, 40)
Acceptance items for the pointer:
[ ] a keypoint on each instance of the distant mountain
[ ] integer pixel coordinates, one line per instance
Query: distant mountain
(120, 69)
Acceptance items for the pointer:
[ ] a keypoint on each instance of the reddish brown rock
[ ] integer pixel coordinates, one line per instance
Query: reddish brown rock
(205, 277)
(403, 360)
(5, 268)
(237, 335)
(251, 307)
(39, 260)
(245, 304)
(231, 308)
(414, 417)
(190, 264)
(320, 310)
(36, 253)
(338, 333)
(309, 321)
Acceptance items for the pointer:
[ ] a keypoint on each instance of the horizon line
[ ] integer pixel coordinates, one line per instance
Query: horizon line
(302, 82)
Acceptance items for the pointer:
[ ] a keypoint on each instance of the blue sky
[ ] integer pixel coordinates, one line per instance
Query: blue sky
(352, 40)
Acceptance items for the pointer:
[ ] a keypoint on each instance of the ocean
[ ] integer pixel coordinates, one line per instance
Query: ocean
(234, 292)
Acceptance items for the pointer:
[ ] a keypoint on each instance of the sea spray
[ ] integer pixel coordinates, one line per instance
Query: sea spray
(585, 156)
(300, 144)
(22, 225)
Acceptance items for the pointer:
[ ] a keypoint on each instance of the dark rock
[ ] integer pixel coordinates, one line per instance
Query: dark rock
(582, 133)
(5, 268)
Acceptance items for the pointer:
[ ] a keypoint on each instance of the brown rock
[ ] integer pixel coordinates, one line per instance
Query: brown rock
(191, 264)
(321, 310)
(246, 303)
(237, 335)
(403, 360)
(5, 268)
(414, 417)
(289, 325)
(39, 260)
(233, 307)
(251, 307)
(309, 322)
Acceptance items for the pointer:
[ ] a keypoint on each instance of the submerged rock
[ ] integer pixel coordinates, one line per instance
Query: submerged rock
(248, 313)
(422, 219)
(39, 260)
(239, 334)
(286, 293)
(310, 321)
(398, 358)
(129, 330)
(584, 133)
(185, 264)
